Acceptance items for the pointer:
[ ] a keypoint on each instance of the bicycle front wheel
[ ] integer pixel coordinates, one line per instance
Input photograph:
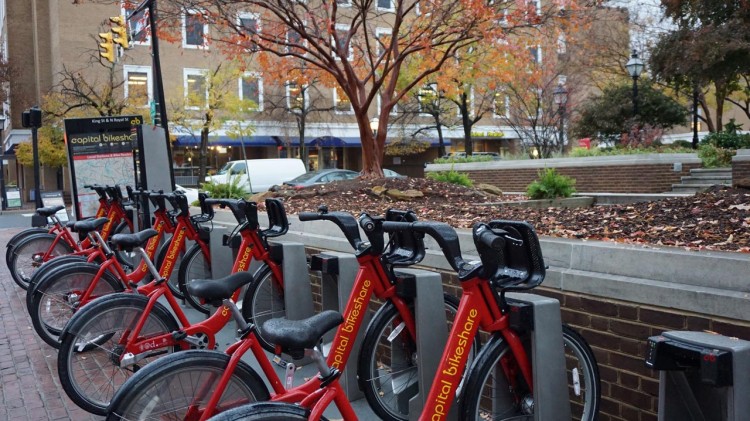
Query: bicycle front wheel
(28, 256)
(58, 296)
(182, 384)
(265, 411)
(47, 268)
(195, 265)
(491, 395)
(387, 365)
(92, 345)
(264, 299)
(17, 239)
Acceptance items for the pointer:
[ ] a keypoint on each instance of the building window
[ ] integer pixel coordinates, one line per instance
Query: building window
(295, 97)
(295, 43)
(562, 46)
(339, 42)
(386, 5)
(501, 105)
(341, 103)
(138, 86)
(250, 24)
(428, 98)
(394, 110)
(344, 3)
(196, 88)
(138, 26)
(251, 89)
(383, 36)
(536, 54)
(194, 30)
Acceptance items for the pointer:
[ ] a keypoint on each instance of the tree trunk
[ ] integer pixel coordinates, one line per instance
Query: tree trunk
(203, 154)
(706, 117)
(372, 153)
(466, 123)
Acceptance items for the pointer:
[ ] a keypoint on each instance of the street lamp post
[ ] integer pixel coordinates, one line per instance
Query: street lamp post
(3, 199)
(635, 68)
(560, 96)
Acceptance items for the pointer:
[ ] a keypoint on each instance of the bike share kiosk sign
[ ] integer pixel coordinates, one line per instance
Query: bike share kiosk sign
(100, 151)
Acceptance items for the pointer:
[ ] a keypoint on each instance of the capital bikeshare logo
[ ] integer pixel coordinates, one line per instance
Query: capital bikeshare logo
(350, 323)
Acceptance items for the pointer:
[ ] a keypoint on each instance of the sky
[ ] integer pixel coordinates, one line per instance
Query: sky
(647, 19)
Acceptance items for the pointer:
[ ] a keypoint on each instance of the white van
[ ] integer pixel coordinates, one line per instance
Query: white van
(263, 173)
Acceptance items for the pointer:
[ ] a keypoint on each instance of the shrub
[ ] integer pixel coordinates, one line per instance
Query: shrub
(682, 144)
(231, 190)
(551, 185)
(463, 159)
(715, 157)
(452, 176)
(728, 138)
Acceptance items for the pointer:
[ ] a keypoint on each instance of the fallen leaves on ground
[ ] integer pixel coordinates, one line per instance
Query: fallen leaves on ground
(718, 219)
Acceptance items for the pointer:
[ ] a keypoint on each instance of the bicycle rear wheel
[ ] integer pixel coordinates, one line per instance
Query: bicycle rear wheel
(28, 254)
(57, 297)
(387, 364)
(263, 300)
(491, 395)
(182, 383)
(50, 267)
(265, 411)
(195, 265)
(91, 346)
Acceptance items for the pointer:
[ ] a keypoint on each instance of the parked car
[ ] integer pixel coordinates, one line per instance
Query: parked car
(494, 155)
(392, 174)
(321, 177)
(264, 173)
(191, 194)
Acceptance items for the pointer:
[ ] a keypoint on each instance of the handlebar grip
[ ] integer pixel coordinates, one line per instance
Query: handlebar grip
(367, 223)
(490, 239)
(308, 216)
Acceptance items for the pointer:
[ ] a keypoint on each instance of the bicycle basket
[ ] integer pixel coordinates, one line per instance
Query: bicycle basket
(522, 266)
(404, 248)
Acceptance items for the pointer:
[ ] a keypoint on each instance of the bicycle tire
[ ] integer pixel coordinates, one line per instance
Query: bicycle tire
(53, 301)
(16, 238)
(265, 411)
(263, 300)
(168, 388)
(195, 265)
(49, 268)
(581, 367)
(88, 361)
(379, 376)
(24, 258)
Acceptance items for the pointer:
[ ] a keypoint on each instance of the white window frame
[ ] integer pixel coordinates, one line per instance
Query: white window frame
(306, 96)
(344, 3)
(562, 43)
(419, 100)
(538, 53)
(289, 47)
(337, 28)
(394, 110)
(378, 32)
(194, 72)
(335, 105)
(257, 76)
(250, 15)
(203, 46)
(124, 12)
(127, 69)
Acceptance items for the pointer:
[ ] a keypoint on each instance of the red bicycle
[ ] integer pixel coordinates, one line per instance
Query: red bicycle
(30, 252)
(114, 336)
(58, 296)
(499, 384)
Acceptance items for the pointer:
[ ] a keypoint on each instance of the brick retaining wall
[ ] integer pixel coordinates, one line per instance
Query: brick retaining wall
(626, 174)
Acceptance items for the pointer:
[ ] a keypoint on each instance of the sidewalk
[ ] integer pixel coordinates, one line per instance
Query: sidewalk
(29, 386)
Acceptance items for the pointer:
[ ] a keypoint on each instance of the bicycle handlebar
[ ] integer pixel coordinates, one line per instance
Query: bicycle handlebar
(242, 210)
(343, 220)
(444, 234)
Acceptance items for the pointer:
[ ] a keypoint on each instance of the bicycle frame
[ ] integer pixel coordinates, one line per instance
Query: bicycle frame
(250, 248)
(371, 279)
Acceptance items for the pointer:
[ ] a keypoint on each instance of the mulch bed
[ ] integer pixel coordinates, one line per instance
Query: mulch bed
(718, 219)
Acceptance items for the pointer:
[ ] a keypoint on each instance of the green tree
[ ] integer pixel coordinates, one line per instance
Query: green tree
(609, 115)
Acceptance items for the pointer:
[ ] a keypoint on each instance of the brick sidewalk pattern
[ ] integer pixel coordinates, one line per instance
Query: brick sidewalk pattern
(29, 386)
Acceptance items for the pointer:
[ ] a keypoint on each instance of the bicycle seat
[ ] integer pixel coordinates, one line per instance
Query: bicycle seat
(294, 336)
(218, 289)
(128, 241)
(89, 225)
(49, 210)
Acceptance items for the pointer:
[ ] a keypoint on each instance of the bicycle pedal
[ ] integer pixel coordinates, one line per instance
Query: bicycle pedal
(280, 361)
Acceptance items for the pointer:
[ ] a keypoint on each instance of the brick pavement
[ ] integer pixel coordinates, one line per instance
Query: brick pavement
(29, 386)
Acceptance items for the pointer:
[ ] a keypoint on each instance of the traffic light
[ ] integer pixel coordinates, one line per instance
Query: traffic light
(120, 31)
(108, 46)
